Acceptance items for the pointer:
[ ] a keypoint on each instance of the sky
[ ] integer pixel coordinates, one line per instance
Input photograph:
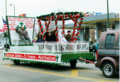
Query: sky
(34, 8)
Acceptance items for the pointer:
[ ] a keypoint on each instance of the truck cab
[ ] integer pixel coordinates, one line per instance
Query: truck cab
(108, 53)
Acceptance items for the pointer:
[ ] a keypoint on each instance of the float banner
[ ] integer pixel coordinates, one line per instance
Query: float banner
(14, 22)
(40, 57)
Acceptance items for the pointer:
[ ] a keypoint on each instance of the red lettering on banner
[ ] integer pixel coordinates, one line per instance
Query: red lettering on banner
(12, 28)
(12, 24)
(14, 21)
(28, 22)
(30, 27)
(22, 20)
(9, 18)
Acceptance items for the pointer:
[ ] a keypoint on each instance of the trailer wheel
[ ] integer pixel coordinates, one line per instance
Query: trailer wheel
(73, 63)
(16, 62)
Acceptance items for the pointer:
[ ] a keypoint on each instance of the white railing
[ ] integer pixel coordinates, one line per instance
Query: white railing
(53, 47)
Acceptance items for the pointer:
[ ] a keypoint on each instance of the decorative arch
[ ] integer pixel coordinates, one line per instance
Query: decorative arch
(74, 16)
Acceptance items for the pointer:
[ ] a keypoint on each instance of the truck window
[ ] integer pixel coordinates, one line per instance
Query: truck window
(119, 41)
(109, 41)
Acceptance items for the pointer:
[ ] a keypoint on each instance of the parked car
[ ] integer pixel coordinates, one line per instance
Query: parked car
(108, 53)
(3, 41)
(1, 46)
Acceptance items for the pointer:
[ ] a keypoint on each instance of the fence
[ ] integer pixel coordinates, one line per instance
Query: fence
(53, 47)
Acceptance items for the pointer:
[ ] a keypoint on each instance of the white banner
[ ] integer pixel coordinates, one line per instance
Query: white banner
(13, 22)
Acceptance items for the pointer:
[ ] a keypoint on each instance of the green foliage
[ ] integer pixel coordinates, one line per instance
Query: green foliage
(60, 13)
(52, 14)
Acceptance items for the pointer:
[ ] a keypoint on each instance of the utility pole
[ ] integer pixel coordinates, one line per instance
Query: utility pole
(14, 9)
(6, 49)
(108, 25)
(5, 8)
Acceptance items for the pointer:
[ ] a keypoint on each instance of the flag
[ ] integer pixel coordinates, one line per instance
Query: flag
(22, 15)
(62, 39)
(1, 30)
(4, 24)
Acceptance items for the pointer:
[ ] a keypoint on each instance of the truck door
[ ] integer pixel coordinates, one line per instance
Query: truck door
(118, 45)
(117, 49)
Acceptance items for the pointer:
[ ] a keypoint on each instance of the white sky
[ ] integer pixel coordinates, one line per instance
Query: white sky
(34, 8)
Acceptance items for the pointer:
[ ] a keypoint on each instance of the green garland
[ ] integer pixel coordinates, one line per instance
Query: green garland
(60, 13)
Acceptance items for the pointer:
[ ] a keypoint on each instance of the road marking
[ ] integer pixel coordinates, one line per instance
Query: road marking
(2, 62)
(8, 65)
(91, 71)
(59, 74)
(74, 73)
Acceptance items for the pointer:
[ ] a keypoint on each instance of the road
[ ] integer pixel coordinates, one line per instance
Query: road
(43, 73)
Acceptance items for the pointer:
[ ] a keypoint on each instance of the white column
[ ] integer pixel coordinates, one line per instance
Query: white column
(87, 33)
(117, 26)
(82, 34)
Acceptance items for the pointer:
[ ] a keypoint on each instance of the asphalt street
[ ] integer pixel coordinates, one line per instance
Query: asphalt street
(43, 73)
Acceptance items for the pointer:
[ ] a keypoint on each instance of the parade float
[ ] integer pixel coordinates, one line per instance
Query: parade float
(51, 53)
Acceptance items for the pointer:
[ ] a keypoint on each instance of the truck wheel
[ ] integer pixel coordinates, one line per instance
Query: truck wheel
(16, 62)
(108, 69)
(73, 63)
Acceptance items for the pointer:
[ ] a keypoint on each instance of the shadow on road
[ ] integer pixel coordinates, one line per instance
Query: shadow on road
(49, 67)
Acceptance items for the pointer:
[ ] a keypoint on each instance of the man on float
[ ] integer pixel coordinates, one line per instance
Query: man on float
(23, 34)
(68, 36)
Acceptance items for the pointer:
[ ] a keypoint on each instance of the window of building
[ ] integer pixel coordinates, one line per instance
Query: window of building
(109, 41)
